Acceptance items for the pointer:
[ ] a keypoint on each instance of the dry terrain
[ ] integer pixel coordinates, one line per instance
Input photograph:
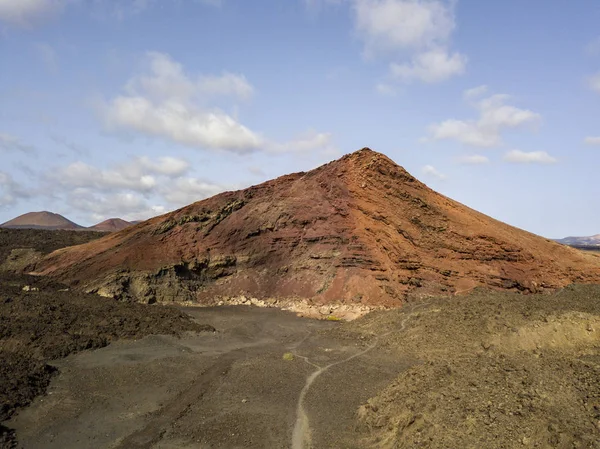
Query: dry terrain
(41, 321)
(491, 370)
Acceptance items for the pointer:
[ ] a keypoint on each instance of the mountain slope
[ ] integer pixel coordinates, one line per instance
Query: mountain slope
(41, 220)
(111, 225)
(359, 230)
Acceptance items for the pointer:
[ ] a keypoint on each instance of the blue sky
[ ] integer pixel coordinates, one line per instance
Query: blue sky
(133, 108)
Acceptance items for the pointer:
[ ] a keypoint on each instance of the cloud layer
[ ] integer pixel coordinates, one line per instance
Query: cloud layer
(533, 157)
(137, 188)
(26, 12)
(168, 103)
(420, 29)
(495, 116)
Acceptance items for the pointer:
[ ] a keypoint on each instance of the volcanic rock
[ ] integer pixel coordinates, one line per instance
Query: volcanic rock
(41, 220)
(111, 225)
(360, 230)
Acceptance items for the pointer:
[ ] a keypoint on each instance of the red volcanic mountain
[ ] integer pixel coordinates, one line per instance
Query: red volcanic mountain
(41, 220)
(359, 230)
(111, 225)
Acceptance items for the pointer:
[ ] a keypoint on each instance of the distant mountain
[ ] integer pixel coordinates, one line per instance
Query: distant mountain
(593, 240)
(111, 225)
(41, 220)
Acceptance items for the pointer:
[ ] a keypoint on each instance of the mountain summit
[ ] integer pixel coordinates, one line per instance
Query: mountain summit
(41, 220)
(111, 225)
(359, 230)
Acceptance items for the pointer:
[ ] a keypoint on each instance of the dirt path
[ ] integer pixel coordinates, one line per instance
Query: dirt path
(301, 435)
(230, 389)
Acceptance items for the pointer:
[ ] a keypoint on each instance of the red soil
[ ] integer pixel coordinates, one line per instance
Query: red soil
(111, 225)
(360, 229)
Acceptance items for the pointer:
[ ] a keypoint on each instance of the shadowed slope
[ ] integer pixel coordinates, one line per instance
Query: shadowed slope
(358, 230)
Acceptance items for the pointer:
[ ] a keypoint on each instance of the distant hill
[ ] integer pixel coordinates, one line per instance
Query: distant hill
(51, 221)
(593, 240)
(41, 220)
(111, 225)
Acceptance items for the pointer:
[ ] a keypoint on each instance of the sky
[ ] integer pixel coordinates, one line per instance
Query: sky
(134, 108)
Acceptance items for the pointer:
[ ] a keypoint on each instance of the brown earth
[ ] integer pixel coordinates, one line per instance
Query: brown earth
(487, 370)
(41, 220)
(111, 225)
(495, 370)
(41, 321)
(359, 231)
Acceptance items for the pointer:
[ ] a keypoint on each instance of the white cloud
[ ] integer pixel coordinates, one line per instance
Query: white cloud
(475, 92)
(594, 82)
(99, 207)
(465, 131)
(9, 142)
(138, 175)
(430, 170)
(167, 102)
(185, 191)
(390, 25)
(167, 80)
(226, 84)
(138, 188)
(80, 174)
(98, 204)
(10, 190)
(183, 124)
(26, 12)
(421, 28)
(430, 67)
(170, 104)
(495, 116)
(475, 159)
(592, 140)
(167, 165)
(534, 157)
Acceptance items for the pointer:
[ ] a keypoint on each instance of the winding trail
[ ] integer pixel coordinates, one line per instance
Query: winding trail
(301, 436)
